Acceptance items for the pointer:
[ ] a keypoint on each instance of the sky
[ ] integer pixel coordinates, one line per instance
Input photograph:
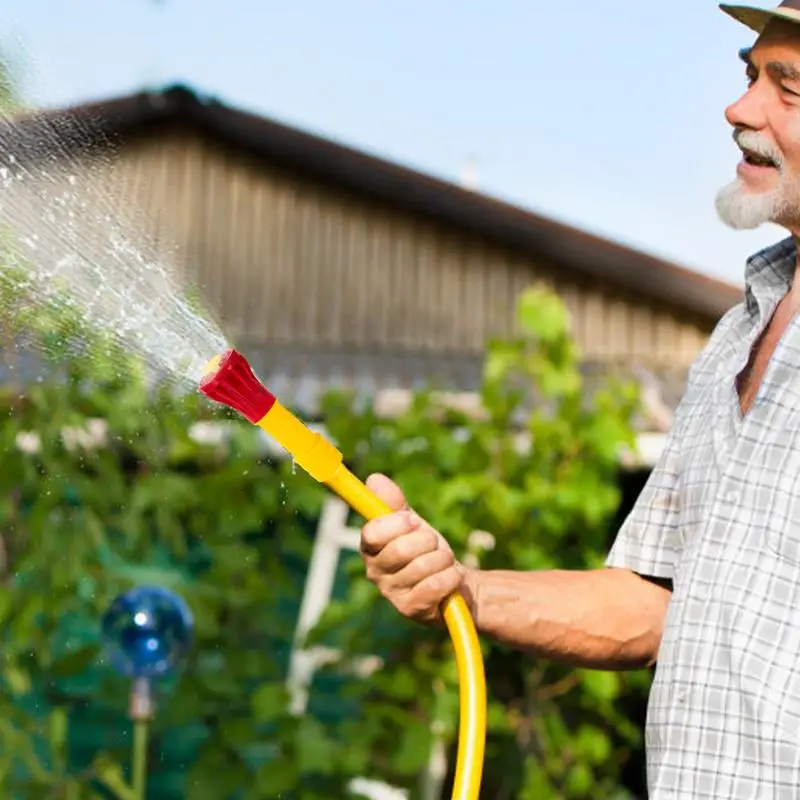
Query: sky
(605, 115)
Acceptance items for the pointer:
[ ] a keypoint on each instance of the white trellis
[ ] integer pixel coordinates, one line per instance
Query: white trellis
(332, 537)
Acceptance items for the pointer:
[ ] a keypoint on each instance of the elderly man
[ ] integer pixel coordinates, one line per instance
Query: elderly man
(704, 576)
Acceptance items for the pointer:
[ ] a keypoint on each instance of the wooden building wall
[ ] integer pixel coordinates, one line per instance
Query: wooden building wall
(283, 259)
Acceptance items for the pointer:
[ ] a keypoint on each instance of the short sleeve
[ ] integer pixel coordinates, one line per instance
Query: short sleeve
(649, 540)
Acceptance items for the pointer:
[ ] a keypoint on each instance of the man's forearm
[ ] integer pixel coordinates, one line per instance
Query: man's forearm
(602, 619)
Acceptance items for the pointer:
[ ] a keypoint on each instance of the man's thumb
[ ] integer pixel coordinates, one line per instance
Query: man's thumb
(388, 491)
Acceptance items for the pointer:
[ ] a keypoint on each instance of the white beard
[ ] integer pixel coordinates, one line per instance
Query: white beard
(743, 210)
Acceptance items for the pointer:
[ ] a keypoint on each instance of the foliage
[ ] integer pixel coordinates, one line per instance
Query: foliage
(555, 732)
(105, 485)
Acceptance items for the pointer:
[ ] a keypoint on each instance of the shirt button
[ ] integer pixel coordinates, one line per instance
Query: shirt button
(731, 496)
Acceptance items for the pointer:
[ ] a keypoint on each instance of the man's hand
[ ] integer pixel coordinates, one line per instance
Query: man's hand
(411, 563)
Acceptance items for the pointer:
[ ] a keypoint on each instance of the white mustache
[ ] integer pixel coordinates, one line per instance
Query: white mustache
(754, 143)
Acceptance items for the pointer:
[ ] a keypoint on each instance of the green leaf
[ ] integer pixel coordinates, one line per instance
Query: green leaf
(18, 680)
(216, 775)
(602, 685)
(500, 360)
(237, 733)
(413, 751)
(110, 774)
(543, 314)
(593, 744)
(269, 702)
(536, 784)
(5, 602)
(315, 750)
(579, 780)
(74, 663)
(276, 777)
(404, 685)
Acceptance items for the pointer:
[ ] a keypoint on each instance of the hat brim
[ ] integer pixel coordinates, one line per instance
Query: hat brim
(758, 18)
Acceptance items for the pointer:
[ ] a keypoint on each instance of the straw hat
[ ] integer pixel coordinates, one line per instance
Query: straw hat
(757, 18)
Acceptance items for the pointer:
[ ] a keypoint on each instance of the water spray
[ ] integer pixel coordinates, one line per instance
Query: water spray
(230, 380)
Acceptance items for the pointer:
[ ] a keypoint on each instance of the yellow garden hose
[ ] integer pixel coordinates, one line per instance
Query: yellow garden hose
(230, 380)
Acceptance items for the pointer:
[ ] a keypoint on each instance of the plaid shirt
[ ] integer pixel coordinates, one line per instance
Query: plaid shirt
(720, 517)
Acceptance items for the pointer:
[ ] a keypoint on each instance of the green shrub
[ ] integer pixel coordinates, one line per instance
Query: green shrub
(537, 471)
(129, 496)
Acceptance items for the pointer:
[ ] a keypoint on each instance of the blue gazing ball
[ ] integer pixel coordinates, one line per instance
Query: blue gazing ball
(147, 632)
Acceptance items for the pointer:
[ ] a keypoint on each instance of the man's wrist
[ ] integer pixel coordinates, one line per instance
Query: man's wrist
(470, 587)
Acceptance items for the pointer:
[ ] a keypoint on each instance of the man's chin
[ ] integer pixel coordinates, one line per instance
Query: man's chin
(741, 223)
(741, 208)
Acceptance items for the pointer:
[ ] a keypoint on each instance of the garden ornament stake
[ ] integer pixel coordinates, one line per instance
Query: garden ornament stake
(146, 632)
(230, 380)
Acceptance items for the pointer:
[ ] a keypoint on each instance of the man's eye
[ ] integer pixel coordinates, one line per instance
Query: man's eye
(750, 79)
(792, 92)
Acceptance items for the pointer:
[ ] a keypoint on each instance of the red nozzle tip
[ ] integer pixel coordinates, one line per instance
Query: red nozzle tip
(230, 380)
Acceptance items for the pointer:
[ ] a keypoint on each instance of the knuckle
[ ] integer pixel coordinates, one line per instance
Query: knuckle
(445, 581)
(418, 544)
(376, 533)
(431, 539)
(446, 558)
(431, 564)
(404, 549)
(368, 535)
(404, 606)
(390, 526)
(420, 603)
(455, 579)
(435, 583)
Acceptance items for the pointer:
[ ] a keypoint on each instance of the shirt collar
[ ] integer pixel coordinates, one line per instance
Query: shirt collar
(769, 275)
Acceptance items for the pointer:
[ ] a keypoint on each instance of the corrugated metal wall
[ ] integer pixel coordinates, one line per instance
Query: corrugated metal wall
(285, 260)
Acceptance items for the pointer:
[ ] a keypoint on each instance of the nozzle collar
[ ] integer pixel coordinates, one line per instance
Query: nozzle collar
(232, 382)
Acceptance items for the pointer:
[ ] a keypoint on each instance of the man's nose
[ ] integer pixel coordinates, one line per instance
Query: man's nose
(749, 111)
